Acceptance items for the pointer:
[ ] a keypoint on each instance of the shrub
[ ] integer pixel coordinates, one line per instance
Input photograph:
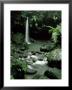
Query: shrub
(18, 68)
(17, 72)
(56, 34)
(18, 38)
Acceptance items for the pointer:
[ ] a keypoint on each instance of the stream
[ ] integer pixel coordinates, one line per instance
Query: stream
(37, 63)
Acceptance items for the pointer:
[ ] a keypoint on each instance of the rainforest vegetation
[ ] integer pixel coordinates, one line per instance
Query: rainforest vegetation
(35, 45)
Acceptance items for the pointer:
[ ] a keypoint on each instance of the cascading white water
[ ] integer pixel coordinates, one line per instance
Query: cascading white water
(27, 32)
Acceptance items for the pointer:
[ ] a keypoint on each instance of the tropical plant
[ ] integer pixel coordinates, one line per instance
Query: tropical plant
(56, 33)
(18, 68)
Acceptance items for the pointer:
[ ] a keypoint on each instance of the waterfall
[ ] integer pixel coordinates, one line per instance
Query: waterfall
(27, 32)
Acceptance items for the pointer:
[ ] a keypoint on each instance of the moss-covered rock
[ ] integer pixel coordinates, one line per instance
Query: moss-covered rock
(54, 55)
(53, 73)
(31, 71)
(50, 75)
(54, 58)
(46, 48)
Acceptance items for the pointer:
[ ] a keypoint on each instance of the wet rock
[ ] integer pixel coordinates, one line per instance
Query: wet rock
(43, 77)
(40, 59)
(53, 73)
(45, 59)
(43, 49)
(40, 63)
(50, 75)
(36, 76)
(22, 49)
(30, 71)
(33, 52)
(24, 56)
(32, 57)
(29, 61)
(47, 48)
(39, 76)
(55, 64)
(20, 55)
(38, 52)
(30, 67)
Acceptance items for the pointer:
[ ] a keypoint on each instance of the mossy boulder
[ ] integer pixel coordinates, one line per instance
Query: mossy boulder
(53, 73)
(46, 48)
(54, 58)
(30, 71)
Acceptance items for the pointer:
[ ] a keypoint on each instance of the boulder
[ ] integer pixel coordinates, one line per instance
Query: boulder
(30, 71)
(54, 58)
(43, 49)
(54, 55)
(53, 73)
(47, 48)
(36, 76)
(29, 61)
(56, 64)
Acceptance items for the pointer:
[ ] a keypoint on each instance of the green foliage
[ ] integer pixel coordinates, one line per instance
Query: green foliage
(43, 25)
(38, 23)
(18, 68)
(19, 62)
(54, 54)
(36, 18)
(56, 33)
(18, 38)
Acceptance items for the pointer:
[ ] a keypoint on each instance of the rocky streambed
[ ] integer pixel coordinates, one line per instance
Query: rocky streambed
(41, 63)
